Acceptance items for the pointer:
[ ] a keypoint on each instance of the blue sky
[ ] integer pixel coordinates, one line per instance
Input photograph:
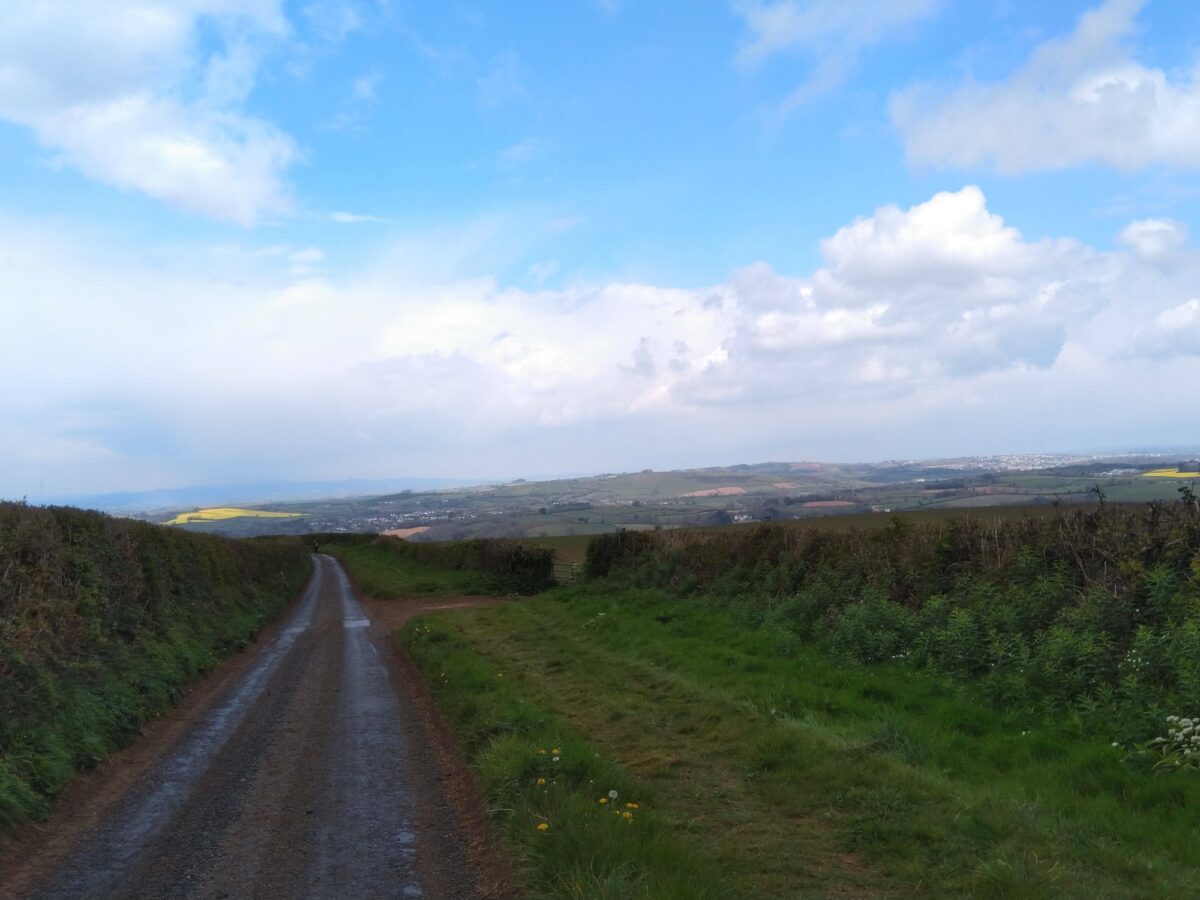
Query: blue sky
(359, 238)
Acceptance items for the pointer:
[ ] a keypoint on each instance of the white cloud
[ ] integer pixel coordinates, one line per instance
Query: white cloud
(122, 92)
(936, 321)
(349, 218)
(306, 262)
(831, 33)
(1079, 98)
(1155, 239)
(1173, 332)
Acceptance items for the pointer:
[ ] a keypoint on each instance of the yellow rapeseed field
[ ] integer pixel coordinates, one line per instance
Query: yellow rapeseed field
(1170, 473)
(218, 513)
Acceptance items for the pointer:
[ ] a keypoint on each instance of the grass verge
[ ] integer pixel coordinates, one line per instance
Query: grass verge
(770, 770)
(579, 824)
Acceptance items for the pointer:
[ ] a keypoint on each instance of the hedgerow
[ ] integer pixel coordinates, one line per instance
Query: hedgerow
(1095, 612)
(103, 621)
(514, 565)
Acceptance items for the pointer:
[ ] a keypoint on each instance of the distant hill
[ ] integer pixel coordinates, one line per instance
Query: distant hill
(131, 502)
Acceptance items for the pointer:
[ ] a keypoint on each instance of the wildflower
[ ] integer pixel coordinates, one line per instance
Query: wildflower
(628, 816)
(541, 781)
(612, 795)
(631, 806)
(556, 750)
(602, 800)
(554, 758)
(543, 826)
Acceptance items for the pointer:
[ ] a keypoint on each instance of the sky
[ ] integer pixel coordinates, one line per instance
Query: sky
(244, 240)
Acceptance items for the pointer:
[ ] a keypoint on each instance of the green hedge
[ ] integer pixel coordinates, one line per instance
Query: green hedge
(1092, 611)
(516, 566)
(104, 621)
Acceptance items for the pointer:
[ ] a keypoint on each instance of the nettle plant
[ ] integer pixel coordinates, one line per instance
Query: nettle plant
(1180, 749)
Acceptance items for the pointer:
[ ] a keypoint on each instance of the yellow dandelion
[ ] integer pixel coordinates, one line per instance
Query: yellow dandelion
(541, 781)
(543, 826)
(602, 800)
(631, 806)
(627, 815)
(556, 750)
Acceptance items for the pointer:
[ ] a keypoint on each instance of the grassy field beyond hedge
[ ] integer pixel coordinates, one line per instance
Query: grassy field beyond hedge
(104, 621)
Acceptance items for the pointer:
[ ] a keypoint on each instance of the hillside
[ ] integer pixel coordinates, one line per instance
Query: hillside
(776, 491)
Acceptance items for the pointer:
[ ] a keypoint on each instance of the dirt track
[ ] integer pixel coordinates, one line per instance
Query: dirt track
(314, 766)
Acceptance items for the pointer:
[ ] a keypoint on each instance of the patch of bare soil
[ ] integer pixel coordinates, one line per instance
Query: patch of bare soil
(717, 492)
(405, 533)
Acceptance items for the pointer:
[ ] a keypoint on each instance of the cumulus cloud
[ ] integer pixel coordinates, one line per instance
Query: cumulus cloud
(1079, 98)
(349, 218)
(1155, 239)
(1173, 332)
(831, 33)
(125, 92)
(934, 315)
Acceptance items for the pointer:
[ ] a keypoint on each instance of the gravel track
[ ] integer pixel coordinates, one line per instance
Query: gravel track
(293, 777)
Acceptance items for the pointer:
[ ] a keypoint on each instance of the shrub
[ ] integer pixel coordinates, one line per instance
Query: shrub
(619, 548)
(874, 629)
(1097, 610)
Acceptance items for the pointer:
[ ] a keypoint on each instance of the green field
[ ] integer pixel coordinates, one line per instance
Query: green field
(944, 703)
(779, 772)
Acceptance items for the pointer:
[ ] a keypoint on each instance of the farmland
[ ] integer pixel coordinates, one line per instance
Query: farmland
(717, 496)
(225, 513)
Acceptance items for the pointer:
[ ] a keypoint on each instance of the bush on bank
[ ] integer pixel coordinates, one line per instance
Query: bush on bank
(1096, 612)
(103, 622)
